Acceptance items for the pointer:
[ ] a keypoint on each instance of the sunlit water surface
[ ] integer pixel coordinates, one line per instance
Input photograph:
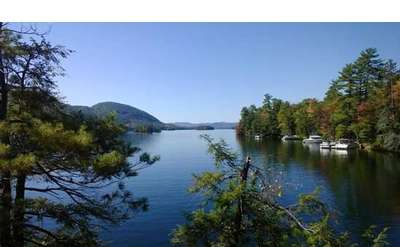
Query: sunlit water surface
(362, 188)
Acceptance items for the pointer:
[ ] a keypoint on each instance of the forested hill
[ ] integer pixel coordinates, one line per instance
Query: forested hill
(140, 120)
(215, 125)
(126, 114)
(362, 103)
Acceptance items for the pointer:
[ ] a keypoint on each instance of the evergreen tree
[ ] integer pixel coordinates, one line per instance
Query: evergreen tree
(286, 119)
(362, 103)
(51, 162)
(242, 209)
(388, 123)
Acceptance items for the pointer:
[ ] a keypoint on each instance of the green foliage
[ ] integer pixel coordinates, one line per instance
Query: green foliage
(130, 116)
(71, 163)
(146, 128)
(262, 120)
(286, 120)
(362, 103)
(375, 238)
(69, 156)
(241, 209)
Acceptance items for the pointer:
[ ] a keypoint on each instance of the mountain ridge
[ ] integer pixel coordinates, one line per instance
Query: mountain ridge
(128, 115)
(137, 119)
(215, 125)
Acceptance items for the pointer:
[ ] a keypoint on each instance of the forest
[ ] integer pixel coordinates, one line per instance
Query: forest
(362, 103)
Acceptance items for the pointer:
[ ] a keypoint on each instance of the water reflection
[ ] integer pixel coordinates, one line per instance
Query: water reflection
(363, 186)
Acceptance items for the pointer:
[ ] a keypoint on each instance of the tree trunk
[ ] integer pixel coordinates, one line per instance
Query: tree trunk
(19, 212)
(5, 210)
(5, 207)
(239, 214)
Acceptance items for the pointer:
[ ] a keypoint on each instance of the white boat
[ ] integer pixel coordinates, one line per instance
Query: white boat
(290, 138)
(313, 139)
(327, 145)
(345, 144)
(257, 137)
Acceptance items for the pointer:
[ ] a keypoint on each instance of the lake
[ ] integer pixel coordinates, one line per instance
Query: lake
(362, 188)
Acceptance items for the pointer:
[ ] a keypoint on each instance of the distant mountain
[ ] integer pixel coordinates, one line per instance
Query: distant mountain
(140, 120)
(205, 127)
(126, 114)
(215, 125)
(223, 125)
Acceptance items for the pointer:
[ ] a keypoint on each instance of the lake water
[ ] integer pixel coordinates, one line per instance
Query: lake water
(363, 188)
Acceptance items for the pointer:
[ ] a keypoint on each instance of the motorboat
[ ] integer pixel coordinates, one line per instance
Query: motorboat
(290, 138)
(345, 144)
(257, 137)
(327, 145)
(313, 139)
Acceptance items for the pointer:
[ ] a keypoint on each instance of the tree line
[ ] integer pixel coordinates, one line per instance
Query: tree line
(362, 103)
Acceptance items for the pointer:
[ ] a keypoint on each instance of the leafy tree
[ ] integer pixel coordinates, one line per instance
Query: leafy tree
(246, 125)
(307, 117)
(241, 208)
(362, 103)
(286, 122)
(342, 118)
(388, 109)
(52, 162)
(261, 120)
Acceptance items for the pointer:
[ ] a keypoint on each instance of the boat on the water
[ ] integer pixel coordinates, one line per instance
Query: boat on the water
(313, 139)
(291, 138)
(345, 144)
(327, 145)
(257, 137)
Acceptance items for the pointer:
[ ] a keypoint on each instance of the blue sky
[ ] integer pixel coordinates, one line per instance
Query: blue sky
(201, 72)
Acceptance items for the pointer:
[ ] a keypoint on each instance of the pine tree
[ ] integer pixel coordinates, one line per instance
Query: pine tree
(286, 120)
(362, 103)
(242, 209)
(52, 162)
